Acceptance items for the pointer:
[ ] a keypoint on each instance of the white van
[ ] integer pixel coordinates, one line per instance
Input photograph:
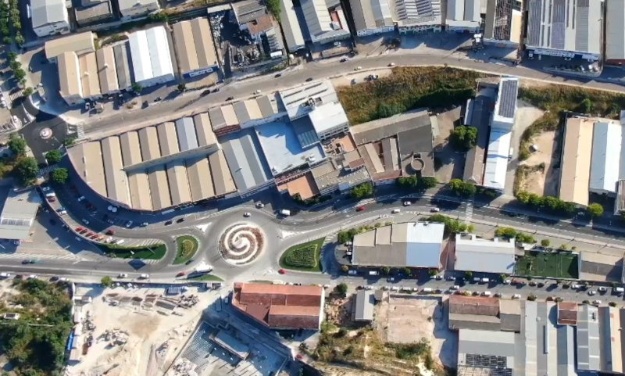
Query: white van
(619, 290)
(144, 276)
(51, 194)
(485, 280)
(426, 290)
(486, 293)
(285, 212)
(395, 211)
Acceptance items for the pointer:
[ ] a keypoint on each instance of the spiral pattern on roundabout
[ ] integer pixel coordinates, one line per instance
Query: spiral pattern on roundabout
(241, 244)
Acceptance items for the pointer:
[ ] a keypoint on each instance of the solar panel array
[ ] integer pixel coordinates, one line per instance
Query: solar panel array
(534, 22)
(507, 98)
(16, 222)
(498, 365)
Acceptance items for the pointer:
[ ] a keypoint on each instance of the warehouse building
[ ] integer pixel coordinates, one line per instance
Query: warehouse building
(364, 306)
(478, 115)
(122, 65)
(130, 9)
(463, 16)
(18, 215)
(246, 161)
(416, 16)
(92, 12)
(70, 87)
(80, 43)
(414, 245)
(49, 17)
(482, 255)
(156, 167)
(89, 77)
(151, 57)
(565, 28)
(324, 25)
(575, 160)
(372, 17)
(503, 23)
(290, 27)
(107, 71)
(606, 157)
(243, 114)
(614, 36)
(195, 50)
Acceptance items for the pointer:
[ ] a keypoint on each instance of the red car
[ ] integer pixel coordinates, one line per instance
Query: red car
(181, 274)
(110, 232)
(282, 271)
(360, 208)
(78, 229)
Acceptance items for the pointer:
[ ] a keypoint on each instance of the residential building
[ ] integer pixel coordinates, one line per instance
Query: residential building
(373, 16)
(364, 305)
(18, 215)
(49, 17)
(576, 160)
(324, 25)
(151, 58)
(614, 36)
(92, 12)
(195, 51)
(281, 306)
(415, 16)
(415, 245)
(606, 156)
(290, 27)
(81, 43)
(565, 28)
(463, 16)
(70, 87)
(503, 23)
(482, 255)
(130, 9)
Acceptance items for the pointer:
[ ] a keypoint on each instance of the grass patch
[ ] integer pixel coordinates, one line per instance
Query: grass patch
(555, 99)
(205, 277)
(407, 88)
(306, 256)
(554, 265)
(154, 252)
(187, 246)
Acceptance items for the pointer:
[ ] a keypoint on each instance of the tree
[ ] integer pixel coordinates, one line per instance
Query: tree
(106, 281)
(17, 145)
(428, 182)
(468, 275)
(462, 188)
(531, 297)
(386, 270)
(59, 176)
(463, 137)
(54, 156)
(26, 170)
(471, 228)
(158, 17)
(363, 190)
(407, 272)
(182, 87)
(545, 242)
(341, 288)
(595, 210)
(432, 272)
(137, 88)
(12, 56)
(506, 232)
(274, 7)
(19, 74)
(15, 65)
(585, 106)
(28, 91)
(344, 268)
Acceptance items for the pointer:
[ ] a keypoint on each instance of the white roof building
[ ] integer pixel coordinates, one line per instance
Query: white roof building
(606, 156)
(416, 245)
(137, 8)
(506, 104)
(18, 214)
(49, 17)
(373, 16)
(463, 15)
(301, 100)
(565, 28)
(290, 26)
(497, 159)
(482, 255)
(329, 119)
(151, 58)
(321, 27)
(614, 35)
(418, 15)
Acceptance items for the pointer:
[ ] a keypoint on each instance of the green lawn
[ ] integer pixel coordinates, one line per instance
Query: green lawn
(306, 256)
(206, 277)
(554, 265)
(154, 252)
(187, 246)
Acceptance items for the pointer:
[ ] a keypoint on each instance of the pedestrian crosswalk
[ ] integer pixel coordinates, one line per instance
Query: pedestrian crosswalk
(469, 212)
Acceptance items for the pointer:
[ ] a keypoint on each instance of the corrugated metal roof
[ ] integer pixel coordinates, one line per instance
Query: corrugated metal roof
(497, 159)
(246, 163)
(140, 194)
(131, 149)
(178, 183)
(18, 214)
(222, 177)
(200, 179)
(167, 138)
(606, 156)
(364, 305)
(576, 157)
(290, 26)
(150, 148)
(159, 189)
(116, 180)
(122, 65)
(89, 77)
(79, 43)
(47, 12)
(194, 44)
(588, 344)
(185, 128)
(265, 106)
(69, 75)
(615, 38)
(205, 134)
(150, 54)
(92, 170)
(107, 71)
(481, 255)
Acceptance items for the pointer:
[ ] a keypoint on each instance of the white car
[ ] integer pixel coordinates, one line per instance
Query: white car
(144, 276)
(247, 214)
(122, 275)
(591, 292)
(358, 68)
(257, 91)
(391, 64)
(435, 210)
(407, 203)
(395, 211)
(516, 296)
(260, 205)
(596, 302)
(128, 224)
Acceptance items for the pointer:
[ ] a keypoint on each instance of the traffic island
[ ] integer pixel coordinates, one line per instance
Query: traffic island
(187, 247)
(303, 257)
(153, 252)
(241, 244)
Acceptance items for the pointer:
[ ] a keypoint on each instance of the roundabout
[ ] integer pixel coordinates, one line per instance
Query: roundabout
(241, 244)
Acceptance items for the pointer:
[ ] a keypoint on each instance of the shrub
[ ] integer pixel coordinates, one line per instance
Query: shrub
(462, 188)
(545, 242)
(452, 226)
(54, 156)
(362, 190)
(595, 210)
(59, 176)
(463, 137)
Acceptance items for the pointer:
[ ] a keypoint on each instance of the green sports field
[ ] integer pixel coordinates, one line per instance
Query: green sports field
(554, 265)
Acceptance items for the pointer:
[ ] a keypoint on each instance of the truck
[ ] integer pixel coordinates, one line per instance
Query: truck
(203, 268)
(285, 212)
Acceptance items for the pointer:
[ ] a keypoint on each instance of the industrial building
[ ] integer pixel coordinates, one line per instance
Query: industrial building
(364, 306)
(70, 87)
(243, 114)
(122, 65)
(281, 306)
(156, 167)
(576, 160)
(253, 18)
(606, 157)
(49, 17)
(503, 23)
(565, 28)
(246, 160)
(478, 115)
(107, 70)
(324, 25)
(151, 57)
(290, 27)
(415, 245)
(614, 36)
(195, 50)
(482, 255)
(373, 17)
(92, 12)
(415, 16)
(317, 101)
(18, 214)
(80, 43)
(463, 16)
(132, 9)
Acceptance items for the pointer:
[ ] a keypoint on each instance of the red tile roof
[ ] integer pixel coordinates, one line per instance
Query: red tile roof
(280, 306)
(567, 313)
(473, 305)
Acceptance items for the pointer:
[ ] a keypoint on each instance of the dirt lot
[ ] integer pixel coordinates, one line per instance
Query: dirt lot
(152, 338)
(541, 181)
(359, 77)
(451, 162)
(407, 319)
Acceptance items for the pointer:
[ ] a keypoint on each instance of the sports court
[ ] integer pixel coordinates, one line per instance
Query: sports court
(553, 265)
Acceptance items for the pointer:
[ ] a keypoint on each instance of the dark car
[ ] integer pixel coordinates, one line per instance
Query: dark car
(145, 104)
(168, 222)
(309, 79)
(179, 220)
(229, 99)
(205, 93)
(215, 90)
(278, 75)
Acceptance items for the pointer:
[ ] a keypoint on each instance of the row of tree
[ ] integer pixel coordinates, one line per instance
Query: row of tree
(462, 188)
(10, 23)
(26, 169)
(16, 68)
(556, 205)
(510, 233)
(452, 225)
(416, 183)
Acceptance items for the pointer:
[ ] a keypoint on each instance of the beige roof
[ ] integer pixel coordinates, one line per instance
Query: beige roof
(178, 183)
(116, 180)
(80, 43)
(230, 116)
(203, 129)
(194, 44)
(200, 181)
(89, 75)
(140, 194)
(575, 171)
(131, 149)
(107, 73)
(222, 177)
(148, 138)
(87, 160)
(159, 188)
(69, 79)
(168, 139)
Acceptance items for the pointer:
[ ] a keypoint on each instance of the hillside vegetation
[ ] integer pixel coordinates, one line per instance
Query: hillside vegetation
(406, 89)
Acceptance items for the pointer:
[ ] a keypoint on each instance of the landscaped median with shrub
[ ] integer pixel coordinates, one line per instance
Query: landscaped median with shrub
(153, 252)
(187, 247)
(305, 256)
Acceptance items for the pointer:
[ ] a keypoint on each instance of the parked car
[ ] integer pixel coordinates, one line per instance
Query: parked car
(360, 208)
